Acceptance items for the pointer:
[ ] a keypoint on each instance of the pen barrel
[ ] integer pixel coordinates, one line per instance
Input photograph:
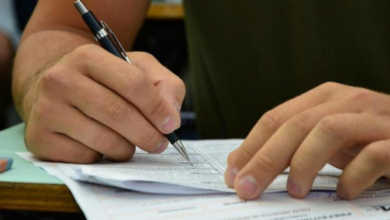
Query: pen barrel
(106, 42)
(91, 21)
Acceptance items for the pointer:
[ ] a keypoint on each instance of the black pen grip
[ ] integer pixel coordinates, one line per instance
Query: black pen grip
(172, 138)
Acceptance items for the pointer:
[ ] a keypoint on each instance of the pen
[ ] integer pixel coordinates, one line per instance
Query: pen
(107, 39)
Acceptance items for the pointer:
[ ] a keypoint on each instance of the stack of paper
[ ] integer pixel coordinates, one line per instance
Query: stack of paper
(169, 173)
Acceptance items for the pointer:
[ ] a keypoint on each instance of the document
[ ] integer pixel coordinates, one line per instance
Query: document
(180, 191)
(100, 202)
(169, 173)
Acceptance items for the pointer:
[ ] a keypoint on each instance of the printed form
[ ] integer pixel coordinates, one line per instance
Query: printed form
(168, 172)
(103, 202)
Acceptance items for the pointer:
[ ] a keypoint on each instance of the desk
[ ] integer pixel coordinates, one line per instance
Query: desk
(26, 187)
(160, 11)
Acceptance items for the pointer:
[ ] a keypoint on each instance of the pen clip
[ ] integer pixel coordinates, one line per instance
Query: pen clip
(108, 29)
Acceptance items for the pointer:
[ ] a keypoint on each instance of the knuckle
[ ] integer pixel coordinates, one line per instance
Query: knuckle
(151, 140)
(352, 178)
(83, 52)
(88, 157)
(379, 155)
(134, 82)
(331, 127)
(117, 110)
(264, 161)
(157, 107)
(53, 77)
(239, 157)
(177, 82)
(233, 158)
(329, 85)
(32, 138)
(361, 95)
(42, 109)
(271, 120)
(146, 57)
(180, 87)
(246, 152)
(300, 123)
(114, 143)
(106, 139)
(298, 166)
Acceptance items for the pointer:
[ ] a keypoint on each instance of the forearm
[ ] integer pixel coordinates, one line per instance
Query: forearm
(33, 58)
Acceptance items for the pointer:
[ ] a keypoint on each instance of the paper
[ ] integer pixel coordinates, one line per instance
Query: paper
(102, 202)
(169, 173)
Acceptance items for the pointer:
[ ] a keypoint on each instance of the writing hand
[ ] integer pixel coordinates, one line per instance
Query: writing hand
(91, 103)
(345, 126)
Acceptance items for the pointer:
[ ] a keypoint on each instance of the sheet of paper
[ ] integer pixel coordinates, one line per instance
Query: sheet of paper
(169, 173)
(103, 202)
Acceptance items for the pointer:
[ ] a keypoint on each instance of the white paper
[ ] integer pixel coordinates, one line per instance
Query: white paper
(170, 173)
(103, 202)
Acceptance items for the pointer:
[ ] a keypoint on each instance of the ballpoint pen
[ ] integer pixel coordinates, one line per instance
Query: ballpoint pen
(107, 39)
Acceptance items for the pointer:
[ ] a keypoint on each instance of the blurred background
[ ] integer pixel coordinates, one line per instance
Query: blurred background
(163, 35)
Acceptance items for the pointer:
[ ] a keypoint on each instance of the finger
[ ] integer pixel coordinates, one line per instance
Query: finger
(108, 108)
(130, 82)
(332, 134)
(114, 112)
(170, 86)
(167, 82)
(272, 120)
(341, 160)
(91, 133)
(372, 163)
(275, 155)
(356, 98)
(50, 146)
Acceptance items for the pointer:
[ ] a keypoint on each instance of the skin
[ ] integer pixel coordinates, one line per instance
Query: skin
(78, 101)
(345, 126)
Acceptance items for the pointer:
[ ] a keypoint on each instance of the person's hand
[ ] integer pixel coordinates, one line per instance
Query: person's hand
(91, 103)
(347, 127)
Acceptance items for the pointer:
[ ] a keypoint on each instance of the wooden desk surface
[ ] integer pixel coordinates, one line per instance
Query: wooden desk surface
(165, 11)
(37, 197)
(26, 187)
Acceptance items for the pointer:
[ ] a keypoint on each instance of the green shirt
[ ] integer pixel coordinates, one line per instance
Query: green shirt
(249, 56)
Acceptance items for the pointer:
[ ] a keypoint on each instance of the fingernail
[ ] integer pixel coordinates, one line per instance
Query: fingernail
(161, 146)
(231, 176)
(293, 188)
(177, 106)
(169, 124)
(247, 185)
